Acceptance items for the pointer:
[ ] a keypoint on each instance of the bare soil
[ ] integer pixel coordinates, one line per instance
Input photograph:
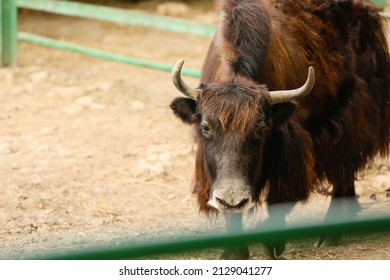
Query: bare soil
(90, 153)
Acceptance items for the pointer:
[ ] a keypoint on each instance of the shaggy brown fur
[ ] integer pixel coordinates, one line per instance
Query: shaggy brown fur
(337, 129)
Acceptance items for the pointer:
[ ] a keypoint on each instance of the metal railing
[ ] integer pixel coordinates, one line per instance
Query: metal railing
(10, 35)
(269, 233)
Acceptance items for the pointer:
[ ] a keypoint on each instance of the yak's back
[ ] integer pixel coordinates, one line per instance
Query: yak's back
(351, 28)
(351, 48)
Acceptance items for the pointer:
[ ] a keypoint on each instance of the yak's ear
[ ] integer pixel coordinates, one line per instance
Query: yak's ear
(282, 112)
(184, 108)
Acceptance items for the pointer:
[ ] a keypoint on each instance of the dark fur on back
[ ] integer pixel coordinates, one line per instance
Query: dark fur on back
(342, 124)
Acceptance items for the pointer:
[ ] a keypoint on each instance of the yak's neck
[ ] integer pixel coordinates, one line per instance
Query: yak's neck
(245, 34)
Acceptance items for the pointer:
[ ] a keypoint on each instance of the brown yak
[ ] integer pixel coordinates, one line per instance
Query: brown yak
(258, 135)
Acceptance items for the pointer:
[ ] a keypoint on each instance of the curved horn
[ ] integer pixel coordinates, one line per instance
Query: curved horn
(180, 84)
(281, 96)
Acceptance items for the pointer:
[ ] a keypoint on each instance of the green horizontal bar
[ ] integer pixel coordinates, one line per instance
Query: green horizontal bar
(47, 42)
(265, 234)
(119, 16)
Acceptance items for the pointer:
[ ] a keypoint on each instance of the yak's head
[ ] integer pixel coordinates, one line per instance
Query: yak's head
(232, 121)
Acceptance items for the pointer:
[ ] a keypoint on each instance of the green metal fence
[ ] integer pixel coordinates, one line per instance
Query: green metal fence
(265, 234)
(9, 35)
(47, 42)
(119, 16)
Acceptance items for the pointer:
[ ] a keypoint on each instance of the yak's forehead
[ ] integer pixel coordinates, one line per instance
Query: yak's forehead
(236, 107)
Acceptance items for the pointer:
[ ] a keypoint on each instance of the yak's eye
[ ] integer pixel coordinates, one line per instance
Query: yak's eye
(260, 130)
(205, 127)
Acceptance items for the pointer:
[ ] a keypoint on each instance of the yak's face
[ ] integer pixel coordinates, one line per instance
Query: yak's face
(231, 122)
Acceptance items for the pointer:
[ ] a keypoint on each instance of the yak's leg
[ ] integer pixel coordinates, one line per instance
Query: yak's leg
(343, 205)
(277, 218)
(235, 252)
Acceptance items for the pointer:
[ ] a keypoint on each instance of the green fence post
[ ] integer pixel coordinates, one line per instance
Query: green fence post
(1, 31)
(8, 25)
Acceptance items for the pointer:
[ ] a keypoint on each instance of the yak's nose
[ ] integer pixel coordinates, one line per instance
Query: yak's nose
(231, 200)
(232, 203)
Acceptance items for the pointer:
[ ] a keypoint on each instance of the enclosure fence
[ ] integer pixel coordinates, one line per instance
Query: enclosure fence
(270, 234)
(10, 34)
(8, 19)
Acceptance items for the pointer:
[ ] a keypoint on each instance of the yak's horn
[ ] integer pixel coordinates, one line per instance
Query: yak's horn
(281, 96)
(180, 84)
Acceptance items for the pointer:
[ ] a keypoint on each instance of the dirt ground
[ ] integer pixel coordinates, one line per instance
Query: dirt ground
(90, 153)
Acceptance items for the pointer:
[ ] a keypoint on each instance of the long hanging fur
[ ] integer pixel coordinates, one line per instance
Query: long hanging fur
(345, 121)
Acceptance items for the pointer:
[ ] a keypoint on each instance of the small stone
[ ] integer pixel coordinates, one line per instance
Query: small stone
(84, 101)
(381, 182)
(151, 158)
(46, 131)
(137, 105)
(88, 102)
(157, 168)
(33, 227)
(14, 149)
(5, 148)
(38, 77)
(166, 156)
(8, 148)
(144, 168)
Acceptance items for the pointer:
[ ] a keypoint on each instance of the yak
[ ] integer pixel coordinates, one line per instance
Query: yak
(263, 127)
